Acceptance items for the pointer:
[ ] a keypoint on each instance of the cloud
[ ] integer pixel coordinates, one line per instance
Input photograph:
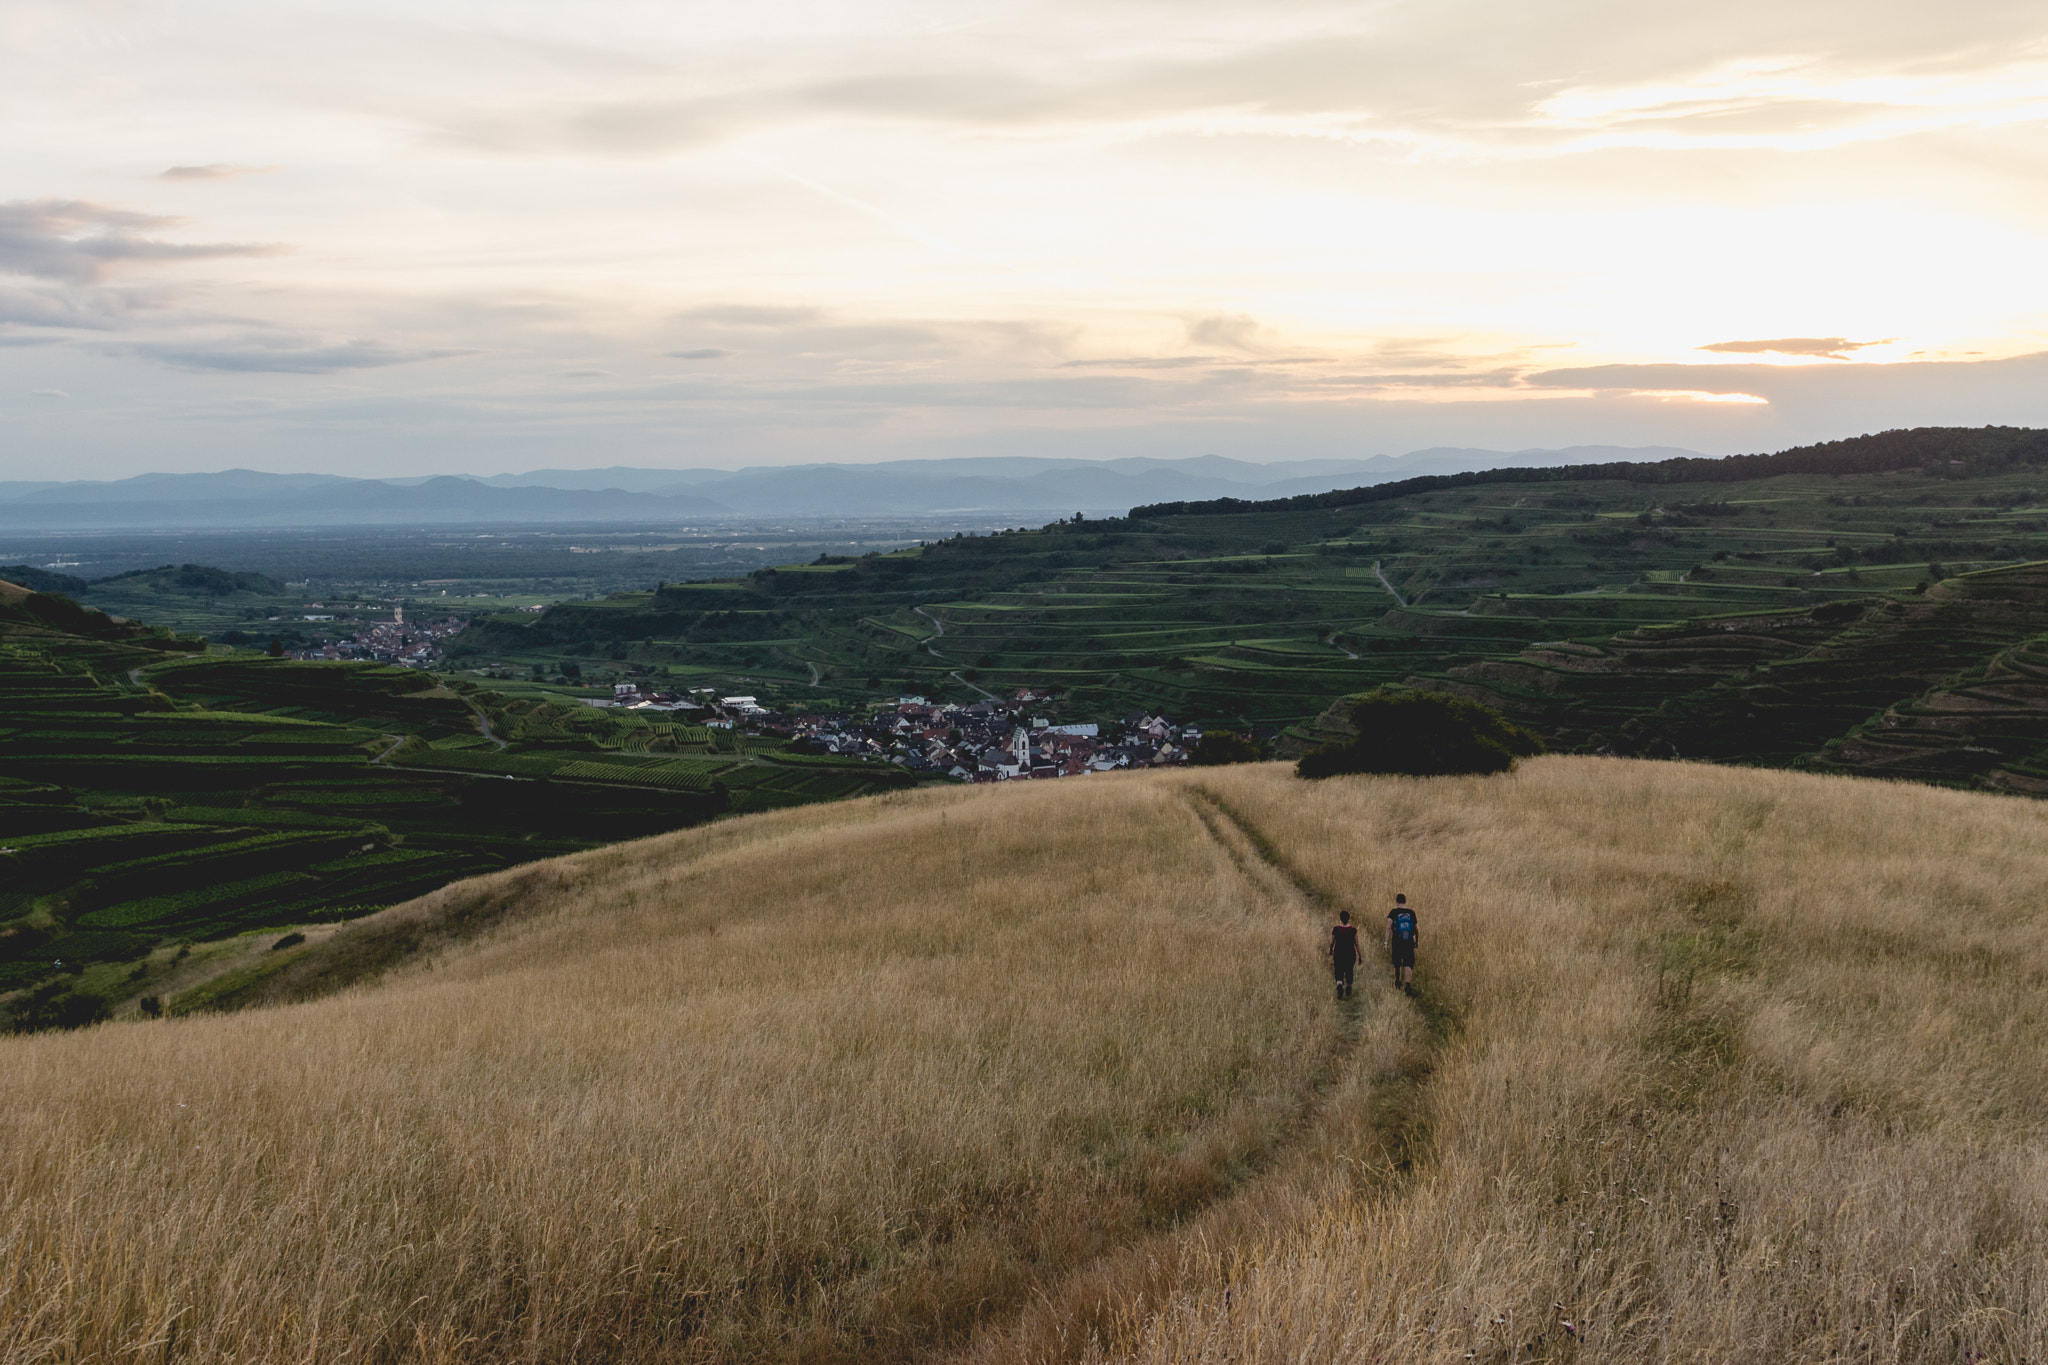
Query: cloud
(1092, 391)
(1232, 331)
(280, 355)
(632, 127)
(218, 170)
(752, 315)
(1663, 378)
(1476, 379)
(701, 353)
(48, 393)
(1829, 348)
(1841, 398)
(75, 242)
(1148, 362)
(56, 306)
(587, 374)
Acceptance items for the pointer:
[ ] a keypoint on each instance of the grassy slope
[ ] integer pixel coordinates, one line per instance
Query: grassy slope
(146, 798)
(1708, 1063)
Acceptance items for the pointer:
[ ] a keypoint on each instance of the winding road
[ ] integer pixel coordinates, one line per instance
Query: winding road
(939, 629)
(964, 683)
(1388, 586)
(485, 722)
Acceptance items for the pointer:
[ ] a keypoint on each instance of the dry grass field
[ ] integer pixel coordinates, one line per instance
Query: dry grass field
(1706, 1065)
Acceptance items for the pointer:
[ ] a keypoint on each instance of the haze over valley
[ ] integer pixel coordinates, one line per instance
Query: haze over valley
(900, 488)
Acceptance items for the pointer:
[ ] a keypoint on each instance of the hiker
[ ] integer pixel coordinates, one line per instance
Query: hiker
(1344, 952)
(1401, 936)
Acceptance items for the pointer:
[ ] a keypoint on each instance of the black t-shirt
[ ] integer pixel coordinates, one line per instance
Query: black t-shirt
(1344, 942)
(1394, 930)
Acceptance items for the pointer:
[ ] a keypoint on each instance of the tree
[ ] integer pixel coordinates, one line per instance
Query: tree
(276, 648)
(1218, 747)
(1422, 734)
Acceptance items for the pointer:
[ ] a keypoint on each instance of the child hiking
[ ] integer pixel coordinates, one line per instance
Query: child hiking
(1344, 952)
(1401, 938)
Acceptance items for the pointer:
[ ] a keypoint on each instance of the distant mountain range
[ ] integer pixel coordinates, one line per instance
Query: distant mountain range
(991, 486)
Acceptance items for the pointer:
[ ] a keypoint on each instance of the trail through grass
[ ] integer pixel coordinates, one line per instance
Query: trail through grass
(1705, 1064)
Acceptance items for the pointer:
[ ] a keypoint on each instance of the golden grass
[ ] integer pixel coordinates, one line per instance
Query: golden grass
(824, 1084)
(1710, 1064)
(1742, 1066)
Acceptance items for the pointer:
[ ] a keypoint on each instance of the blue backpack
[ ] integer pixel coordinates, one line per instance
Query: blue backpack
(1404, 926)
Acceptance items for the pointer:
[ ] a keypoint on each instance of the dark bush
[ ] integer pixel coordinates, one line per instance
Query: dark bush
(291, 940)
(53, 1006)
(1422, 734)
(1221, 746)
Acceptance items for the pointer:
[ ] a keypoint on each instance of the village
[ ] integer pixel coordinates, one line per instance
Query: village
(989, 740)
(415, 644)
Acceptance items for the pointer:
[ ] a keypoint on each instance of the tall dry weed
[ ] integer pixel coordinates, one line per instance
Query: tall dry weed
(812, 1087)
(1706, 1065)
(1736, 1066)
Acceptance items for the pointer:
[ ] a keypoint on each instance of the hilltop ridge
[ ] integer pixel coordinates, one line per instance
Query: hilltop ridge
(1977, 448)
(1255, 615)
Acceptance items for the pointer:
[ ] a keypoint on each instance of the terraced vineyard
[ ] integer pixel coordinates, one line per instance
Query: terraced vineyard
(162, 809)
(1259, 614)
(1785, 687)
(1988, 726)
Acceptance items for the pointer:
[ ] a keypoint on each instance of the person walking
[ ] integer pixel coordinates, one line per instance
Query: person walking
(1401, 939)
(1344, 952)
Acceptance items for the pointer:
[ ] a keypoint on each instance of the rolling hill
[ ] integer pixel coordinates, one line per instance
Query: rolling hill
(1757, 609)
(166, 808)
(1706, 1063)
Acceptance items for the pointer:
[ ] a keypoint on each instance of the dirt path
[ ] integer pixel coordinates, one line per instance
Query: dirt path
(484, 723)
(1069, 1316)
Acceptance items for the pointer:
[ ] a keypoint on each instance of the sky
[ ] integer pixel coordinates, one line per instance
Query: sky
(384, 238)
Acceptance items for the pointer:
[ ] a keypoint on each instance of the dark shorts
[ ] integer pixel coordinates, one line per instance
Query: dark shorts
(1404, 955)
(1345, 967)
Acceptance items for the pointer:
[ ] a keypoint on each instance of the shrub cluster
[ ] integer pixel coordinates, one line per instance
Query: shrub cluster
(1223, 746)
(1422, 734)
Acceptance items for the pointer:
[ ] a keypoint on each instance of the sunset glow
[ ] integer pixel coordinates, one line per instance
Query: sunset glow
(375, 237)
